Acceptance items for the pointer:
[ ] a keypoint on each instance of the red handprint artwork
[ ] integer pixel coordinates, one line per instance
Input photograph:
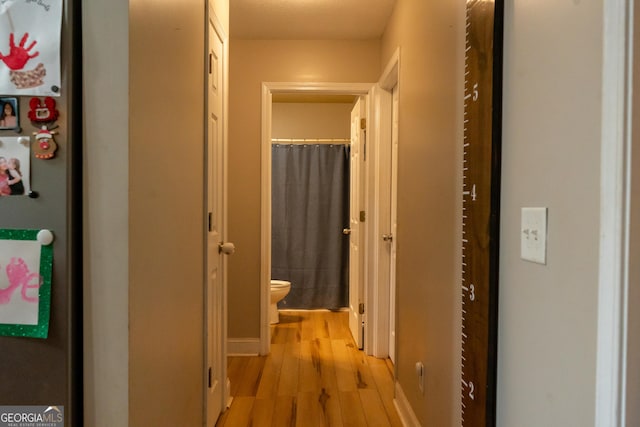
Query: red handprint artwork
(18, 55)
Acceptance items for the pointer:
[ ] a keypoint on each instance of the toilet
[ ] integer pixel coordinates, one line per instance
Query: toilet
(279, 290)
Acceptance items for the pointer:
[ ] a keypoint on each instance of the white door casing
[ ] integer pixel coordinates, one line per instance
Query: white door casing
(393, 225)
(268, 89)
(381, 228)
(615, 206)
(216, 383)
(356, 234)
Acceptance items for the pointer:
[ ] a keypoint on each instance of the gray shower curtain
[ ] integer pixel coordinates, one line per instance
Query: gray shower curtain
(309, 210)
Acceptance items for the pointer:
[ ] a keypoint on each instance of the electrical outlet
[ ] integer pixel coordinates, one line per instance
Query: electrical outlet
(420, 374)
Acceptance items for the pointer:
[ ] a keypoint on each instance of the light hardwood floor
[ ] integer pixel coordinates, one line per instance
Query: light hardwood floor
(314, 376)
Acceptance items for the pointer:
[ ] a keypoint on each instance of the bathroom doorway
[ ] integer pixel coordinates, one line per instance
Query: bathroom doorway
(310, 155)
(277, 97)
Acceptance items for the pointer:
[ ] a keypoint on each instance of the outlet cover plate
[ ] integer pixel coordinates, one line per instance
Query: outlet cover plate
(533, 235)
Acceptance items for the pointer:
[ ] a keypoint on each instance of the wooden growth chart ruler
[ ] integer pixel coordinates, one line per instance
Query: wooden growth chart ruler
(481, 209)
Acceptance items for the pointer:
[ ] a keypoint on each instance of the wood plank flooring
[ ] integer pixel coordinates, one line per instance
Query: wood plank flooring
(314, 376)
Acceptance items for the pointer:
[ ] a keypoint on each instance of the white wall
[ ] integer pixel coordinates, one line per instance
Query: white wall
(106, 215)
(551, 157)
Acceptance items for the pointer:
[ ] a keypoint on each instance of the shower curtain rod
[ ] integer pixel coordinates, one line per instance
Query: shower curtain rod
(310, 140)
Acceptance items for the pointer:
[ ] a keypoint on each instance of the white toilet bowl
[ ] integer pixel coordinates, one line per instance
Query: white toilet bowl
(279, 290)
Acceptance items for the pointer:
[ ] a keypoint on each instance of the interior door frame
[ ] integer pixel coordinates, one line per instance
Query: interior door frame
(615, 313)
(378, 297)
(212, 18)
(268, 90)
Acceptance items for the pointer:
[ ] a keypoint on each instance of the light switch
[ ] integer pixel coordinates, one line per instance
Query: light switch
(533, 235)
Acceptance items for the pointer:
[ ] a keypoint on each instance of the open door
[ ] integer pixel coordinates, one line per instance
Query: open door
(356, 216)
(215, 288)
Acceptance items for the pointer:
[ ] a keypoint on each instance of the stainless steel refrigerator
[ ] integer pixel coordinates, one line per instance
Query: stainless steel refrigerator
(48, 371)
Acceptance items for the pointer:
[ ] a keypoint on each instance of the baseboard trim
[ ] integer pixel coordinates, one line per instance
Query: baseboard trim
(405, 412)
(228, 393)
(243, 346)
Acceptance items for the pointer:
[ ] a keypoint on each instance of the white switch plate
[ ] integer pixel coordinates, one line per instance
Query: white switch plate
(533, 235)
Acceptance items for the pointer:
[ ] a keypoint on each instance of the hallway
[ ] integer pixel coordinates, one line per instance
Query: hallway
(314, 376)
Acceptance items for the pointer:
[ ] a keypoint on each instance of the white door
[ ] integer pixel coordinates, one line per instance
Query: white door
(393, 226)
(215, 333)
(356, 204)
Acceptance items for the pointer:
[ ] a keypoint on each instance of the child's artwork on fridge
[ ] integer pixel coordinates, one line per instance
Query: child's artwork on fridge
(30, 47)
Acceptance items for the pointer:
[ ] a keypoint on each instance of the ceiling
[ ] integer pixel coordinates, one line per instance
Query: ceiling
(309, 19)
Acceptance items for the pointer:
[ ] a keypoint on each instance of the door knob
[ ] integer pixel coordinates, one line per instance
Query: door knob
(387, 237)
(346, 231)
(226, 248)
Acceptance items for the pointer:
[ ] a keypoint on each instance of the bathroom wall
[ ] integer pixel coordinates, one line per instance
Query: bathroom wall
(311, 120)
(253, 62)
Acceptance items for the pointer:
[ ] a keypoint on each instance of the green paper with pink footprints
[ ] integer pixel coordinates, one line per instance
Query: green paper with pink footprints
(25, 283)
